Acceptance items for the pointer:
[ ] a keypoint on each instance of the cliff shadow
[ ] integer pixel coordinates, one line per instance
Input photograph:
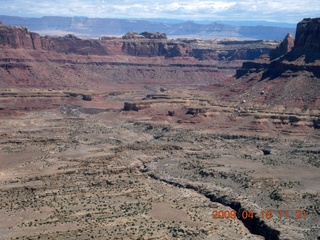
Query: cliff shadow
(273, 71)
(271, 74)
(309, 56)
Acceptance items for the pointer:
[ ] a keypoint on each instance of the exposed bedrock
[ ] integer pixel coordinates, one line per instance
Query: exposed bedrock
(255, 226)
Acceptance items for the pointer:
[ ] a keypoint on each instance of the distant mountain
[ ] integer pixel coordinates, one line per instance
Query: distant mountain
(259, 23)
(97, 27)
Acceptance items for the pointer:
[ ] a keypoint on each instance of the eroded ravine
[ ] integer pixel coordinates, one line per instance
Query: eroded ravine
(254, 225)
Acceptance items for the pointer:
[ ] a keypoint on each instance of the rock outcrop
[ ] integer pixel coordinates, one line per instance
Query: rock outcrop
(285, 46)
(154, 35)
(296, 66)
(132, 35)
(306, 45)
(19, 37)
(308, 34)
(147, 35)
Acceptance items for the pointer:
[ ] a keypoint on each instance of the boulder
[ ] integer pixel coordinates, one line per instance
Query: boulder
(196, 111)
(86, 98)
(130, 107)
(171, 113)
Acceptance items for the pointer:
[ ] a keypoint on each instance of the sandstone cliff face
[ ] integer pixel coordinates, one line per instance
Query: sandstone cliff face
(156, 48)
(19, 37)
(308, 34)
(230, 52)
(72, 44)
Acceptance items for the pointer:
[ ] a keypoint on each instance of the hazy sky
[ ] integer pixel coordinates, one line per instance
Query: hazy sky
(270, 10)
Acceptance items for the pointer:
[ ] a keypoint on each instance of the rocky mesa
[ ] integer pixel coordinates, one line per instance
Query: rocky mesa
(147, 44)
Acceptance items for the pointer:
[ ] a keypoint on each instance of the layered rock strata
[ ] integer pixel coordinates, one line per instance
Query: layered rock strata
(147, 44)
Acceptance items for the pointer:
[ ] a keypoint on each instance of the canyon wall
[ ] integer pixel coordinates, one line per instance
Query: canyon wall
(145, 44)
(31, 60)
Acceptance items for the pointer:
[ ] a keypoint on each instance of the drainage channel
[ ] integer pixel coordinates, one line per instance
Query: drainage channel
(256, 226)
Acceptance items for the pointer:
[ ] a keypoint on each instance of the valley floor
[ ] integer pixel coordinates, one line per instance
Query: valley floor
(87, 169)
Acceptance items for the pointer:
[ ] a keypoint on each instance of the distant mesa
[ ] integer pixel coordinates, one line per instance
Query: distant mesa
(154, 35)
(132, 35)
(92, 28)
(103, 38)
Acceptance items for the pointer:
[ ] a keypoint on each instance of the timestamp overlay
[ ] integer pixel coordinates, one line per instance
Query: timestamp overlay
(267, 214)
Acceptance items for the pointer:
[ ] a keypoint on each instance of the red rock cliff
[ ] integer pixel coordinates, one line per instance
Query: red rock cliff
(19, 37)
